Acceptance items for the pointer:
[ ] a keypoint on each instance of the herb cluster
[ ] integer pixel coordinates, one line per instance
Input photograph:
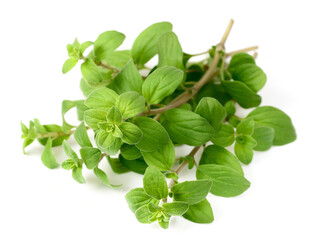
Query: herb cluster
(144, 116)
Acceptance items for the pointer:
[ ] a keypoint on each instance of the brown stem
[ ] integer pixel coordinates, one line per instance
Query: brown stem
(244, 50)
(208, 75)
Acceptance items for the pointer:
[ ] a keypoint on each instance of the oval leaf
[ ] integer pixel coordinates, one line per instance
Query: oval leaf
(155, 184)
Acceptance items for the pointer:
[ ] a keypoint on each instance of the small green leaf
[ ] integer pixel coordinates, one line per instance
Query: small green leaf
(214, 154)
(128, 79)
(130, 152)
(77, 174)
(103, 177)
(81, 136)
(103, 98)
(107, 43)
(104, 139)
(70, 153)
(163, 158)
(94, 116)
(170, 52)
(211, 109)
(114, 147)
(65, 107)
(227, 182)
(91, 156)
(187, 127)
(225, 137)
(137, 165)
(245, 127)
(131, 133)
(143, 214)
(69, 64)
(137, 198)
(163, 223)
(175, 208)
(118, 59)
(191, 192)
(117, 133)
(117, 166)
(114, 116)
(154, 134)
(47, 157)
(243, 148)
(95, 75)
(85, 87)
(154, 183)
(130, 104)
(242, 94)
(145, 45)
(239, 59)
(230, 108)
(161, 83)
(267, 116)
(81, 108)
(264, 137)
(68, 164)
(200, 213)
(84, 46)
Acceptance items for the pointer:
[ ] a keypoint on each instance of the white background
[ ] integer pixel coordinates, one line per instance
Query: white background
(283, 201)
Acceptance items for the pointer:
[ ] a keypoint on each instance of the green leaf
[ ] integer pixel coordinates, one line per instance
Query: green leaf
(128, 79)
(143, 214)
(191, 192)
(154, 134)
(218, 155)
(239, 59)
(91, 156)
(145, 45)
(103, 98)
(187, 127)
(114, 116)
(106, 43)
(130, 152)
(81, 108)
(267, 116)
(170, 52)
(245, 127)
(155, 184)
(118, 59)
(211, 109)
(243, 148)
(225, 137)
(130, 104)
(137, 198)
(163, 158)
(242, 94)
(230, 108)
(94, 116)
(131, 133)
(65, 107)
(175, 208)
(264, 137)
(81, 136)
(249, 74)
(137, 165)
(103, 177)
(70, 153)
(95, 75)
(85, 87)
(216, 91)
(227, 182)
(47, 157)
(69, 64)
(114, 147)
(117, 166)
(161, 83)
(77, 174)
(200, 213)
(104, 139)
(68, 164)
(84, 46)
(163, 223)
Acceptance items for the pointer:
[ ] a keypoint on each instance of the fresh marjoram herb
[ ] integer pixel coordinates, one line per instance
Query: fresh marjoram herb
(144, 113)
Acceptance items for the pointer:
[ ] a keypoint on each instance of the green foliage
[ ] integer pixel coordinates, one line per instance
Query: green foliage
(138, 115)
